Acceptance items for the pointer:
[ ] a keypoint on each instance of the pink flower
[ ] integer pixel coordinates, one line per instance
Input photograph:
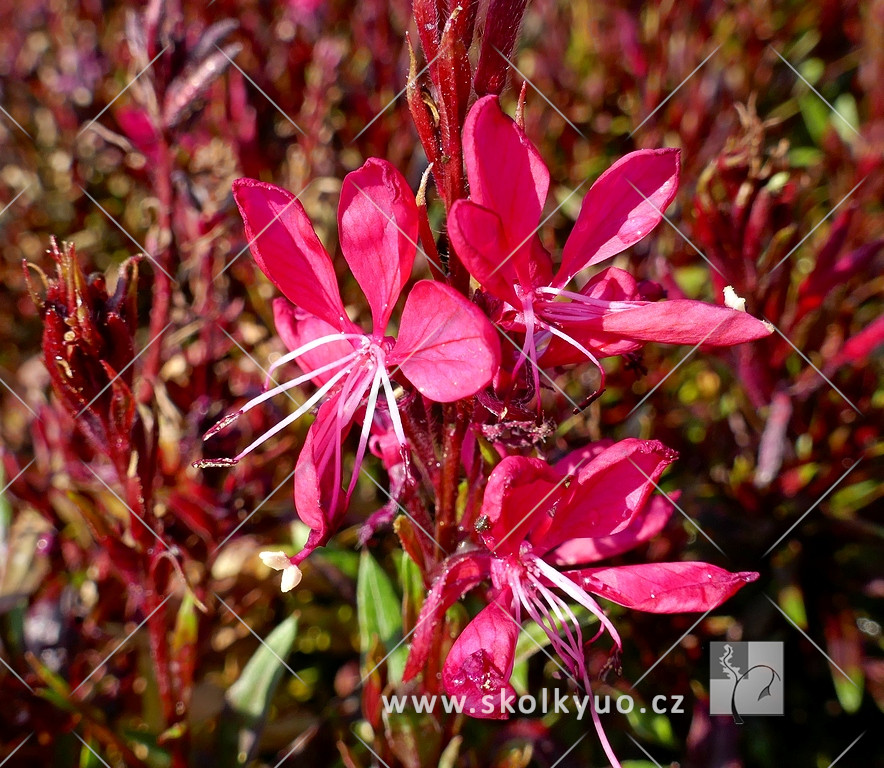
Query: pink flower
(537, 519)
(446, 348)
(495, 235)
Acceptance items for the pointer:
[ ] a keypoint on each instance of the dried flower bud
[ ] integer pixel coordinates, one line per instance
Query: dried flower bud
(88, 346)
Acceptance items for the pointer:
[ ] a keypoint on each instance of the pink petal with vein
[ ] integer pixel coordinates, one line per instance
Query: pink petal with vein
(288, 251)
(507, 175)
(446, 347)
(518, 498)
(296, 328)
(610, 490)
(643, 528)
(377, 225)
(480, 242)
(664, 587)
(460, 573)
(481, 661)
(683, 321)
(626, 202)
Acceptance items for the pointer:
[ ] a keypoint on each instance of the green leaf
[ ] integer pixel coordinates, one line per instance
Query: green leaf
(448, 758)
(380, 614)
(186, 625)
(88, 757)
(346, 561)
(248, 699)
(413, 590)
(847, 119)
(649, 725)
(792, 602)
(815, 114)
(805, 157)
(849, 692)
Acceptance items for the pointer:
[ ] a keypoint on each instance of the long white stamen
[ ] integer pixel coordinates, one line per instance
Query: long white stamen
(310, 345)
(534, 609)
(597, 722)
(575, 653)
(315, 398)
(566, 617)
(391, 404)
(348, 400)
(603, 304)
(577, 345)
(573, 342)
(366, 427)
(294, 382)
(530, 350)
(575, 593)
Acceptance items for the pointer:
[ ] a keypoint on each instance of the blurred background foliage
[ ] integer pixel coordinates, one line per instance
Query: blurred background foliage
(782, 131)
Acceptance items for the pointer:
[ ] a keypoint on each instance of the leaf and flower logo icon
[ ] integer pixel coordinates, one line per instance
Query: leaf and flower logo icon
(746, 678)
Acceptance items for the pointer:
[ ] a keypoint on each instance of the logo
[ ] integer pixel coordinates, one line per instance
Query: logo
(746, 679)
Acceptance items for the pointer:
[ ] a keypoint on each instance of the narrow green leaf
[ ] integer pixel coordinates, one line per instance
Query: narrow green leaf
(88, 758)
(792, 602)
(185, 633)
(380, 613)
(849, 692)
(248, 699)
(413, 737)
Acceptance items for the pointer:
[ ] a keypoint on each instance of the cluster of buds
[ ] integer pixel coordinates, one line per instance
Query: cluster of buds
(745, 212)
(88, 347)
(438, 100)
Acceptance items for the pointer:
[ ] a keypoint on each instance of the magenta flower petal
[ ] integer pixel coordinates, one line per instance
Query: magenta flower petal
(626, 202)
(611, 490)
(507, 175)
(683, 321)
(288, 251)
(481, 661)
(617, 330)
(446, 346)
(377, 226)
(664, 587)
(478, 237)
(297, 328)
(571, 462)
(643, 528)
(518, 499)
(460, 574)
(319, 500)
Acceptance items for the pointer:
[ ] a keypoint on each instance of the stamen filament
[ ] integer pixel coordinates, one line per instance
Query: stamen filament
(597, 722)
(366, 427)
(314, 398)
(275, 391)
(530, 349)
(538, 612)
(576, 594)
(576, 344)
(566, 617)
(603, 304)
(310, 345)
(348, 401)
(394, 409)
